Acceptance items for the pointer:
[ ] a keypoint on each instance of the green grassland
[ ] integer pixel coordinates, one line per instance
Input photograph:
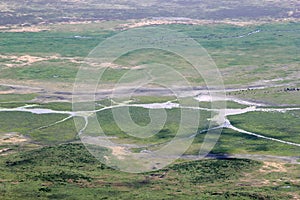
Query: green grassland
(60, 106)
(141, 117)
(32, 125)
(236, 53)
(278, 96)
(47, 71)
(10, 102)
(232, 142)
(282, 126)
(231, 46)
(70, 172)
(16, 98)
(51, 43)
(188, 101)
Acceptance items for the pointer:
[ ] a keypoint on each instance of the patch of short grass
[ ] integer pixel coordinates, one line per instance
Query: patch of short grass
(283, 126)
(35, 126)
(16, 97)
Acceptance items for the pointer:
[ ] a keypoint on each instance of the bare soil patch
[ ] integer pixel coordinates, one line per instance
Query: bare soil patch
(150, 22)
(30, 29)
(25, 60)
(272, 167)
(118, 151)
(12, 138)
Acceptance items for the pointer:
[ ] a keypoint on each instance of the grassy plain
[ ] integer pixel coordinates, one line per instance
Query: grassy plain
(70, 172)
(67, 171)
(236, 51)
(282, 126)
(35, 126)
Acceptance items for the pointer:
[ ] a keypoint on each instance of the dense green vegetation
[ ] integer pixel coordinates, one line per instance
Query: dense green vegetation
(51, 43)
(232, 46)
(141, 117)
(70, 172)
(233, 142)
(283, 126)
(43, 71)
(63, 106)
